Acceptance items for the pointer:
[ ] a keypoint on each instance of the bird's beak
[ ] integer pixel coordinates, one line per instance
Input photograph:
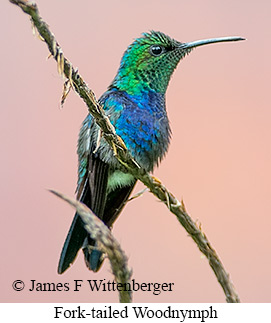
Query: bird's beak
(197, 43)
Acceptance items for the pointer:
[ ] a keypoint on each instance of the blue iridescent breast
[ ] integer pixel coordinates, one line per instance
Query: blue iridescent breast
(142, 123)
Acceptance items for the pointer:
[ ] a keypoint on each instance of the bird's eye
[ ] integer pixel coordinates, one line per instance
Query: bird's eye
(157, 50)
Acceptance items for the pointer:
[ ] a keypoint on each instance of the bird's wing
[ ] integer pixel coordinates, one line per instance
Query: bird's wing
(115, 202)
(92, 189)
(92, 192)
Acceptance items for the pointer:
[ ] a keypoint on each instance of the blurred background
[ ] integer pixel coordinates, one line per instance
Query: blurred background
(219, 160)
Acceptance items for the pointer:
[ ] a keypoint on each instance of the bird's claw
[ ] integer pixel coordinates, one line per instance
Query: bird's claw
(156, 180)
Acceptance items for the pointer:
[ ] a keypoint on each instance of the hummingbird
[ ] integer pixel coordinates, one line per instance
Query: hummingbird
(135, 104)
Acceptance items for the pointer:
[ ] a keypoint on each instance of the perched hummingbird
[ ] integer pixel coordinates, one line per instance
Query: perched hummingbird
(135, 104)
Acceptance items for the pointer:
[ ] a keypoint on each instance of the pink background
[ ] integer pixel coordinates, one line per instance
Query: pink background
(219, 160)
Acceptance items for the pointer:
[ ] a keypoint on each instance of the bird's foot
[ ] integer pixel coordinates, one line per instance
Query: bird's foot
(156, 180)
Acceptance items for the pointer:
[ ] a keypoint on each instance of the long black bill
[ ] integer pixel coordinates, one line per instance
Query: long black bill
(197, 43)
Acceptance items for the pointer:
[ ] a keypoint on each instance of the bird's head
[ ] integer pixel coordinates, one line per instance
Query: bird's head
(150, 60)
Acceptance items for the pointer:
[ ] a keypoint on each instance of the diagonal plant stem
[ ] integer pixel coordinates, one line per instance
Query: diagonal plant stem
(102, 234)
(75, 81)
